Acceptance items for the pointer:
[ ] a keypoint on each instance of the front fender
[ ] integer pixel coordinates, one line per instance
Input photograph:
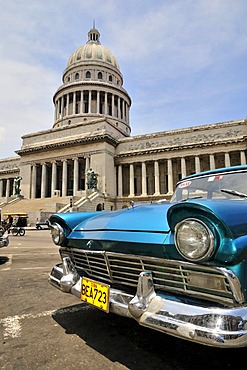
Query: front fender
(226, 220)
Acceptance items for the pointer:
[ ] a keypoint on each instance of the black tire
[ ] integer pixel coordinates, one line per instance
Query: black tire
(22, 231)
(14, 231)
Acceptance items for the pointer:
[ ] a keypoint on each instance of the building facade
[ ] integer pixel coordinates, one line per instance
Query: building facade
(92, 132)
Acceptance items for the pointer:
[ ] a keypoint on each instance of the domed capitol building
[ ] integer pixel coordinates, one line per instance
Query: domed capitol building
(89, 161)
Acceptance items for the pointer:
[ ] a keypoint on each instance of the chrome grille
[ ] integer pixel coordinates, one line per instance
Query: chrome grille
(168, 275)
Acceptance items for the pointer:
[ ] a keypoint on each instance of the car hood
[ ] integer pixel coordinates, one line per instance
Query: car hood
(145, 217)
(152, 223)
(144, 223)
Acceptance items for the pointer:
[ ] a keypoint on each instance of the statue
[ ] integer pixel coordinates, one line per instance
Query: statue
(17, 182)
(92, 179)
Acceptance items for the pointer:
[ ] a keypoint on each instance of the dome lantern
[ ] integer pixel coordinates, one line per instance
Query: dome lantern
(93, 36)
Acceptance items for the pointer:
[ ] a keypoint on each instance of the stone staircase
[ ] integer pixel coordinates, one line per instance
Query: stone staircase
(37, 209)
(41, 209)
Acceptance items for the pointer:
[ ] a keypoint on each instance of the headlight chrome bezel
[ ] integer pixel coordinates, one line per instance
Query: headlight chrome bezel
(57, 233)
(205, 240)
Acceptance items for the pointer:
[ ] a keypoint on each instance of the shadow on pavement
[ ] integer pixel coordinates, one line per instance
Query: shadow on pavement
(124, 341)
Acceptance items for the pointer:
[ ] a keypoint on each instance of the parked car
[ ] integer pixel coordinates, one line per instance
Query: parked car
(42, 225)
(4, 239)
(178, 267)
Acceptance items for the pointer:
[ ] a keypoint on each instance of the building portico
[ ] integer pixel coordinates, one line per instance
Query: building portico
(91, 130)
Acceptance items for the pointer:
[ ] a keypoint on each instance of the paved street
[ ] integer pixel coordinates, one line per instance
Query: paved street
(42, 328)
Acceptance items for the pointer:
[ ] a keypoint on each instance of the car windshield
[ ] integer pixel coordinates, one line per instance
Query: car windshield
(232, 185)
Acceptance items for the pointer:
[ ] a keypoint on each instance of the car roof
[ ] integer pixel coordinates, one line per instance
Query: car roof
(215, 171)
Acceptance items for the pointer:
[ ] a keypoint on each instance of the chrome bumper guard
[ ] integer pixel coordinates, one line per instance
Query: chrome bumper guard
(212, 326)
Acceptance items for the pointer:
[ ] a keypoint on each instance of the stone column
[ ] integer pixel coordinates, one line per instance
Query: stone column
(227, 160)
(120, 181)
(76, 174)
(34, 181)
(98, 101)
(43, 180)
(123, 111)
(59, 111)
(87, 166)
(118, 107)
(156, 178)
(212, 161)
(106, 111)
(53, 178)
(67, 105)
(1, 188)
(62, 106)
(170, 176)
(82, 101)
(13, 188)
(197, 164)
(144, 179)
(183, 167)
(89, 101)
(8, 188)
(55, 110)
(131, 194)
(64, 178)
(74, 102)
(113, 106)
(242, 157)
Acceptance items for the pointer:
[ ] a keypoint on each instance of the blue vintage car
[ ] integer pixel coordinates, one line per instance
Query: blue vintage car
(178, 267)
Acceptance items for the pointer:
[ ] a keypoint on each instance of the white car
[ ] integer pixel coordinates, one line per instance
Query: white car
(4, 239)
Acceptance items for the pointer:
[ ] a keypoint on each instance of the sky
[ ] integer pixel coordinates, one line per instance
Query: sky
(183, 61)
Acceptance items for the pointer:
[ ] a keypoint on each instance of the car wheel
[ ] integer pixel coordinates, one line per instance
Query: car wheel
(14, 231)
(22, 232)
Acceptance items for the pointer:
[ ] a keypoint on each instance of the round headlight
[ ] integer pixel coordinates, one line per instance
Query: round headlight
(57, 233)
(194, 240)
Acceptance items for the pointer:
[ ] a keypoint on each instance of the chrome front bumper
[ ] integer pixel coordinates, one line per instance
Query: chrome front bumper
(212, 326)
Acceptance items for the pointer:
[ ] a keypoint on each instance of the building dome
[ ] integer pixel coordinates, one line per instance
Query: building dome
(93, 51)
(92, 89)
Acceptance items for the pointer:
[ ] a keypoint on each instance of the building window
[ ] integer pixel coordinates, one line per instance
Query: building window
(100, 75)
(88, 74)
(110, 78)
(77, 76)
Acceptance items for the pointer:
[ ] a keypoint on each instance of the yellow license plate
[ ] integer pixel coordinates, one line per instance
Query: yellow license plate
(95, 293)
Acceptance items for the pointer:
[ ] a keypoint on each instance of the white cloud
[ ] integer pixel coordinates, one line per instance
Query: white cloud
(183, 61)
(26, 104)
